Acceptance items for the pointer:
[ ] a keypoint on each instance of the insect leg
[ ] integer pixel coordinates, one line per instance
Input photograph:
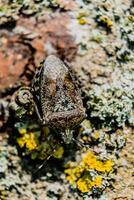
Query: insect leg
(43, 164)
(81, 143)
(37, 112)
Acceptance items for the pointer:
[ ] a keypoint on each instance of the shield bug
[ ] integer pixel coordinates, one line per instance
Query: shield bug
(57, 97)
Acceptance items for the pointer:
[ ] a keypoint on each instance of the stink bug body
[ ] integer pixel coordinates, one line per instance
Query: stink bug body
(57, 97)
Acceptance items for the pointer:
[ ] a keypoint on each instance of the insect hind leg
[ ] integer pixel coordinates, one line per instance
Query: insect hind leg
(38, 113)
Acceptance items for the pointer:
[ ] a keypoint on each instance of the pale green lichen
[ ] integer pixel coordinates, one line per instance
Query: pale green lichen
(109, 142)
(111, 106)
(104, 16)
(105, 20)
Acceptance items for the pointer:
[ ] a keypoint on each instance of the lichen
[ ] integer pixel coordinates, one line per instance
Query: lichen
(88, 173)
(59, 152)
(111, 106)
(29, 140)
(107, 143)
(53, 4)
(105, 20)
(82, 18)
(104, 15)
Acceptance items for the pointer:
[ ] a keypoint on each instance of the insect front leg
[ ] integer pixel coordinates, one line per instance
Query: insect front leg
(38, 113)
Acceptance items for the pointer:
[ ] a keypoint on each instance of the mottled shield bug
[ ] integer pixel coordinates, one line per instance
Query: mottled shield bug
(57, 97)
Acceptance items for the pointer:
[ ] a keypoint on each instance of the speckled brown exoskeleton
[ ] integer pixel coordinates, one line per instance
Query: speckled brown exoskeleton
(57, 101)
(57, 97)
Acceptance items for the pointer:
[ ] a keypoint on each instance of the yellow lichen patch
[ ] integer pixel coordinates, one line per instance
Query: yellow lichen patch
(36, 148)
(28, 140)
(106, 20)
(85, 138)
(82, 18)
(90, 161)
(59, 153)
(131, 18)
(96, 135)
(88, 173)
(82, 185)
(82, 21)
(98, 181)
(71, 178)
(108, 165)
(31, 111)
(22, 131)
(86, 124)
(86, 184)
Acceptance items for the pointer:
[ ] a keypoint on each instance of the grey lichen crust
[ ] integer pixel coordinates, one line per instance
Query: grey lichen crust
(112, 105)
